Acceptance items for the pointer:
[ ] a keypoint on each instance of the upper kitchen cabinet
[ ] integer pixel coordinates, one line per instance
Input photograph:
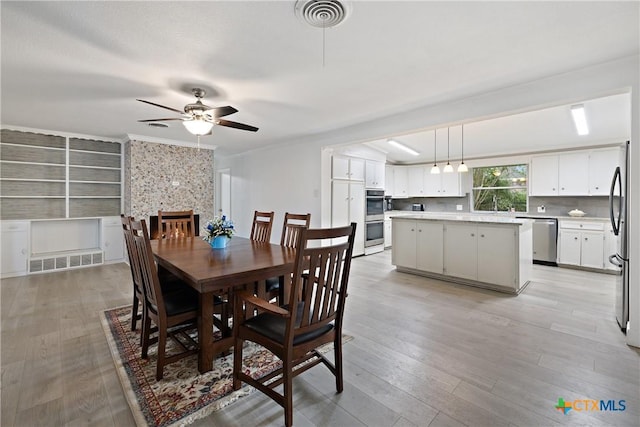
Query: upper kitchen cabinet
(416, 181)
(389, 180)
(400, 182)
(579, 173)
(349, 168)
(442, 184)
(602, 164)
(543, 176)
(374, 174)
(573, 174)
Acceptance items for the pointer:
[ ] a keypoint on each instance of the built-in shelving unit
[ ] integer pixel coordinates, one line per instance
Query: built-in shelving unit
(61, 198)
(49, 176)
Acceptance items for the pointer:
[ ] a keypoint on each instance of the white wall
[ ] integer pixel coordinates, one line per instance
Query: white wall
(294, 178)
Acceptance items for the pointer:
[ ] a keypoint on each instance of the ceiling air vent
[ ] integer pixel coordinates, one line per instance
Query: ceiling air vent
(322, 13)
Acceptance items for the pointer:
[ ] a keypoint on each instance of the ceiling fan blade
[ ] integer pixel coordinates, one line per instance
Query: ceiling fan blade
(159, 120)
(221, 111)
(236, 125)
(161, 106)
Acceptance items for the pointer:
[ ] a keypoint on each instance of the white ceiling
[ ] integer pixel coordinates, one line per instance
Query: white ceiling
(78, 67)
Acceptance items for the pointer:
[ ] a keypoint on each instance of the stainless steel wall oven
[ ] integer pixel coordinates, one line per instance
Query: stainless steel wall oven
(375, 205)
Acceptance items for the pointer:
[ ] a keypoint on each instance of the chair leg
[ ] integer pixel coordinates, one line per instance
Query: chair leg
(288, 391)
(162, 343)
(134, 312)
(337, 352)
(237, 363)
(146, 332)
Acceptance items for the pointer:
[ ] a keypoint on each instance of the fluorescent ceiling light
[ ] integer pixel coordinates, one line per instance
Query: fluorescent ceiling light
(403, 147)
(580, 119)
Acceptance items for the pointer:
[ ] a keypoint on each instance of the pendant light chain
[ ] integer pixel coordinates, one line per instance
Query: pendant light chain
(435, 169)
(448, 168)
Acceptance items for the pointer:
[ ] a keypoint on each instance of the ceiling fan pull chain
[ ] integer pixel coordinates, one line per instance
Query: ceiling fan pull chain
(198, 142)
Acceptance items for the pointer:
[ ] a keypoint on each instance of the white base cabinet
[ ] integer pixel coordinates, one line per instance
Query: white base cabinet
(41, 246)
(490, 255)
(582, 243)
(14, 248)
(419, 245)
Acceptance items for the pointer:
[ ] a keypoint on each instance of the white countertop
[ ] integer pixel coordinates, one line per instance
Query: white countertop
(512, 215)
(463, 217)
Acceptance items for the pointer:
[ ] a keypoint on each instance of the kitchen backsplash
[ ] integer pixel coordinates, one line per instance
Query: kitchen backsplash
(433, 204)
(595, 206)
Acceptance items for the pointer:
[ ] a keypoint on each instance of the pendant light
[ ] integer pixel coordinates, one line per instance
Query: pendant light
(448, 168)
(462, 167)
(435, 169)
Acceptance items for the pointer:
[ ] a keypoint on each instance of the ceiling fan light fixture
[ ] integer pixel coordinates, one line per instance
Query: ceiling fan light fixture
(198, 126)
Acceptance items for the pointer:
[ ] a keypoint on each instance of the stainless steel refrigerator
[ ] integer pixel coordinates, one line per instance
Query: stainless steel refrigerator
(619, 214)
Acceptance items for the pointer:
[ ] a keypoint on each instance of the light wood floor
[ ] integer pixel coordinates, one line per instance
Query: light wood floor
(425, 353)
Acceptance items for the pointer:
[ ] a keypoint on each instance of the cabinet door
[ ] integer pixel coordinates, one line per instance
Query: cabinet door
(356, 214)
(450, 185)
(404, 243)
(340, 204)
(374, 174)
(340, 168)
(544, 176)
(415, 185)
(497, 255)
(573, 174)
(460, 251)
(429, 244)
(356, 169)
(388, 180)
(569, 247)
(592, 249)
(432, 183)
(400, 181)
(388, 232)
(602, 164)
(14, 248)
(113, 242)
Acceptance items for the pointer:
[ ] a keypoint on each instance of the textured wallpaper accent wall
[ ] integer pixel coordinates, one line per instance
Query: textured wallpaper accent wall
(152, 169)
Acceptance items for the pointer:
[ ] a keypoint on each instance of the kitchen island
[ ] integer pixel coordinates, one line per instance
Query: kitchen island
(488, 251)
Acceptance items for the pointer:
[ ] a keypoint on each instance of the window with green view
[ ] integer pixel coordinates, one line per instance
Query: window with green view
(502, 188)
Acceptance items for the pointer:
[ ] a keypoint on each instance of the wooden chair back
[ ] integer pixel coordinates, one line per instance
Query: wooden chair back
(176, 224)
(320, 278)
(148, 269)
(261, 228)
(293, 223)
(134, 265)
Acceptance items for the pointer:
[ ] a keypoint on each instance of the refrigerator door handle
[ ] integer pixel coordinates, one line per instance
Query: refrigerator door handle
(615, 222)
(615, 260)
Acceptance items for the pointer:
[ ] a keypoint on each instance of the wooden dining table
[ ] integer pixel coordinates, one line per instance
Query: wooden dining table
(214, 272)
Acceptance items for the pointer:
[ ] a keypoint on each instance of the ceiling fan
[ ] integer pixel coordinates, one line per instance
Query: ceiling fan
(198, 118)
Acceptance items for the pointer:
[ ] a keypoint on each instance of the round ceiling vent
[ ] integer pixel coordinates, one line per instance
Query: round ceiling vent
(322, 13)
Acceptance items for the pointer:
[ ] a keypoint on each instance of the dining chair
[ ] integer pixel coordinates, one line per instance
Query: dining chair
(138, 292)
(261, 228)
(174, 224)
(293, 224)
(174, 313)
(312, 317)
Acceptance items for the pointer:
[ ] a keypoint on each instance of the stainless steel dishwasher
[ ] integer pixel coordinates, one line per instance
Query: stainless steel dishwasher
(545, 240)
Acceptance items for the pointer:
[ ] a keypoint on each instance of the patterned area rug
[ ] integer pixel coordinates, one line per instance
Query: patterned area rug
(183, 395)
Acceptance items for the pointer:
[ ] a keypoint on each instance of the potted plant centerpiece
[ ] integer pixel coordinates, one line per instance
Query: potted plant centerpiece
(218, 231)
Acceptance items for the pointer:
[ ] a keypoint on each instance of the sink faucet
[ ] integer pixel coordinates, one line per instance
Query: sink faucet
(495, 203)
